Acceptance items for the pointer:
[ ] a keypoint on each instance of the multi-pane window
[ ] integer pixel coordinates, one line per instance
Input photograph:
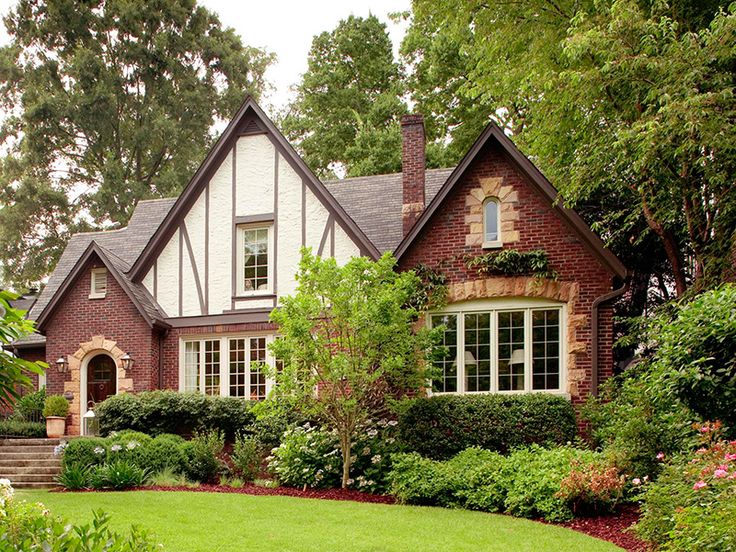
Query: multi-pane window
(499, 350)
(446, 363)
(491, 218)
(232, 366)
(255, 254)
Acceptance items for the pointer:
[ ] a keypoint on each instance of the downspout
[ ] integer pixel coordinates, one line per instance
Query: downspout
(594, 331)
(161, 338)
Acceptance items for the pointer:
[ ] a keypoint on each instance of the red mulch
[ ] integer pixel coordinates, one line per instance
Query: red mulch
(614, 528)
(610, 527)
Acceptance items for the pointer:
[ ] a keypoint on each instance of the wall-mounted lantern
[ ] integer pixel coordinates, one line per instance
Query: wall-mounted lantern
(62, 365)
(127, 361)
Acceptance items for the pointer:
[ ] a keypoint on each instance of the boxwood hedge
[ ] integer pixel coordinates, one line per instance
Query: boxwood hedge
(439, 427)
(157, 412)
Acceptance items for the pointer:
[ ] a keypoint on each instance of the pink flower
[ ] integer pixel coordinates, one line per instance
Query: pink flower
(701, 451)
(723, 467)
(660, 455)
(636, 481)
(704, 429)
(700, 485)
(732, 476)
(730, 456)
(720, 474)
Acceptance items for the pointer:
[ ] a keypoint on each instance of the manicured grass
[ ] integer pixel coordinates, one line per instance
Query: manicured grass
(212, 522)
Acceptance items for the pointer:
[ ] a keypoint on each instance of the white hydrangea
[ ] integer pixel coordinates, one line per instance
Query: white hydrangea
(115, 448)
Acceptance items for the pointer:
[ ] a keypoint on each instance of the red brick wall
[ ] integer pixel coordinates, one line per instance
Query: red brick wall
(443, 242)
(78, 318)
(413, 166)
(171, 344)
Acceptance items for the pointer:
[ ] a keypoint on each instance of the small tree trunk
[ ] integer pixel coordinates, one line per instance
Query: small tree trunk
(345, 445)
(670, 248)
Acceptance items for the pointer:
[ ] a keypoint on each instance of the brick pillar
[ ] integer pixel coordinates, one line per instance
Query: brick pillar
(412, 166)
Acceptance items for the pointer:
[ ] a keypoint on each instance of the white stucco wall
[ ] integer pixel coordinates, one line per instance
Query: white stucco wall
(254, 195)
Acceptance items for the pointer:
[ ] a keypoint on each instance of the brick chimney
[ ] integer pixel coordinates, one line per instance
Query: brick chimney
(412, 166)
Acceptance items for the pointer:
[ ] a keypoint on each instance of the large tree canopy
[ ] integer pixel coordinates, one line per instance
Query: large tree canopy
(346, 113)
(109, 102)
(627, 106)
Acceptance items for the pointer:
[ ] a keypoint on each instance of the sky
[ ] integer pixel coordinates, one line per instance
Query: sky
(286, 28)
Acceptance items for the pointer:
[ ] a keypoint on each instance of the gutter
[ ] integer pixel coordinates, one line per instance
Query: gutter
(594, 331)
(161, 337)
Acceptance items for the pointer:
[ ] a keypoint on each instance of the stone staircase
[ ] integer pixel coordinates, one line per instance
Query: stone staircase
(29, 463)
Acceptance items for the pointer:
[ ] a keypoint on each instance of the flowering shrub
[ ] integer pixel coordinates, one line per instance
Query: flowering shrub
(596, 487)
(309, 456)
(692, 506)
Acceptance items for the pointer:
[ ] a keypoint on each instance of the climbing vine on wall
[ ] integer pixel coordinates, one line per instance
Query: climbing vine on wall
(433, 291)
(511, 262)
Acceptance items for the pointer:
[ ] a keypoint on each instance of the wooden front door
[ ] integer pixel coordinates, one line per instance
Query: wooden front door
(100, 379)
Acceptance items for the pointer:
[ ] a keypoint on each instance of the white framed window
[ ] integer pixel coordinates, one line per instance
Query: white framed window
(254, 273)
(231, 366)
(513, 346)
(98, 283)
(492, 223)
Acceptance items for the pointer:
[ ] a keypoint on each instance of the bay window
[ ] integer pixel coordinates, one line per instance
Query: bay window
(500, 348)
(230, 366)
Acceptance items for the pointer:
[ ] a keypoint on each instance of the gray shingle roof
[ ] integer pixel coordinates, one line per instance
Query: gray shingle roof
(126, 243)
(374, 203)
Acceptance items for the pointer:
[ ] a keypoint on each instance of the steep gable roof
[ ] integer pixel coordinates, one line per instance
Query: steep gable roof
(250, 119)
(536, 179)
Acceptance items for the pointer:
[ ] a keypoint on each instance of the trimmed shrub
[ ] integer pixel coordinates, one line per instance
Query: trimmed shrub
(55, 405)
(201, 456)
(20, 428)
(441, 426)
(130, 446)
(165, 452)
(246, 457)
(85, 452)
(157, 412)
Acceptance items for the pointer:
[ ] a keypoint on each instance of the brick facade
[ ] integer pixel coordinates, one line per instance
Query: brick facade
(413, 169)
(444, 243)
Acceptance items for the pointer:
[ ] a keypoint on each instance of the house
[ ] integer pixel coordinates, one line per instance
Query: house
(180, 298)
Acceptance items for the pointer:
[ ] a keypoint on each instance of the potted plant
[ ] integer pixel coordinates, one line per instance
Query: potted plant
(55, 410)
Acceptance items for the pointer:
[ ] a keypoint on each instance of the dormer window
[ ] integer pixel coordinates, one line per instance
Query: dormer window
(491, 223)
(98, 283)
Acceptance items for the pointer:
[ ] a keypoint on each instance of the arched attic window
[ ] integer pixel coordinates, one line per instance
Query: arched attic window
(492, 222)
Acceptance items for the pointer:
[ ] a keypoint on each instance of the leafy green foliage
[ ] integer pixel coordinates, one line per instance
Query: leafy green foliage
(157, 412)
(85, 452)
(442, 426)
(246, 456)
(348, 332)
(696, 356)
(29, 407)
(123, 96)
(18, 428)
(511, 262)
(169, 477)
(55, 405)
(692, 504)
(530, 482)
(347, 109)
(165, 452)
(14, 371)
(432, 290)
(201, 456)
(118, 475)
(75, 477)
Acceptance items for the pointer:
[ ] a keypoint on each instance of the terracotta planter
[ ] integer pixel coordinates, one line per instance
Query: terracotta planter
(55, 426)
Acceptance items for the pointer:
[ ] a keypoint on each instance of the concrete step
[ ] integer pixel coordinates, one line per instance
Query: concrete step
(4, 455)
(39, 449)
(37, 462)
(53, 442)
(33, 485)
(10, 471)
(33, 477)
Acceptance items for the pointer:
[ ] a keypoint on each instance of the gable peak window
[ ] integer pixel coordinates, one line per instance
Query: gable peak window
(255, 260)
(492, 222)
(98, 283)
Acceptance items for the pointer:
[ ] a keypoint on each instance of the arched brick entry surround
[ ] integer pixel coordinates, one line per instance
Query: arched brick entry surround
(98, 344)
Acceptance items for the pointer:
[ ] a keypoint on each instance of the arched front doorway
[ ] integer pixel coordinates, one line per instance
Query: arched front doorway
(101, 379)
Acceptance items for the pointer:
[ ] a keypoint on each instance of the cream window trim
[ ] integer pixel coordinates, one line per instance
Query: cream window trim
(494, 307)
(488, 241)
(98, 283)
(240, 288)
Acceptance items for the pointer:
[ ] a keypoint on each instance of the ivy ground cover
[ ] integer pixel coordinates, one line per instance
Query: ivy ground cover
(194, 522)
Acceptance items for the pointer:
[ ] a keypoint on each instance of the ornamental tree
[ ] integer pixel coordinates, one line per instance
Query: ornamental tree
(350, 343)
(14, 371)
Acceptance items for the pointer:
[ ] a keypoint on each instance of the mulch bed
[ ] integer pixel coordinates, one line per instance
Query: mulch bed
(611, 527)
(614, 528)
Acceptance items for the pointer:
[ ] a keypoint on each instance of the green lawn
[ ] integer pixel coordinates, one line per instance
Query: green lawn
(215, 522)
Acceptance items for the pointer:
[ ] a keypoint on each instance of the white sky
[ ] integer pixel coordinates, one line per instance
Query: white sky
(286, 28)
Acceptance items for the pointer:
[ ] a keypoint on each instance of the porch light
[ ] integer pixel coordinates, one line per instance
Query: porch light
(127, 361)
(91, 426)
(517, 356)
(62, 365)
